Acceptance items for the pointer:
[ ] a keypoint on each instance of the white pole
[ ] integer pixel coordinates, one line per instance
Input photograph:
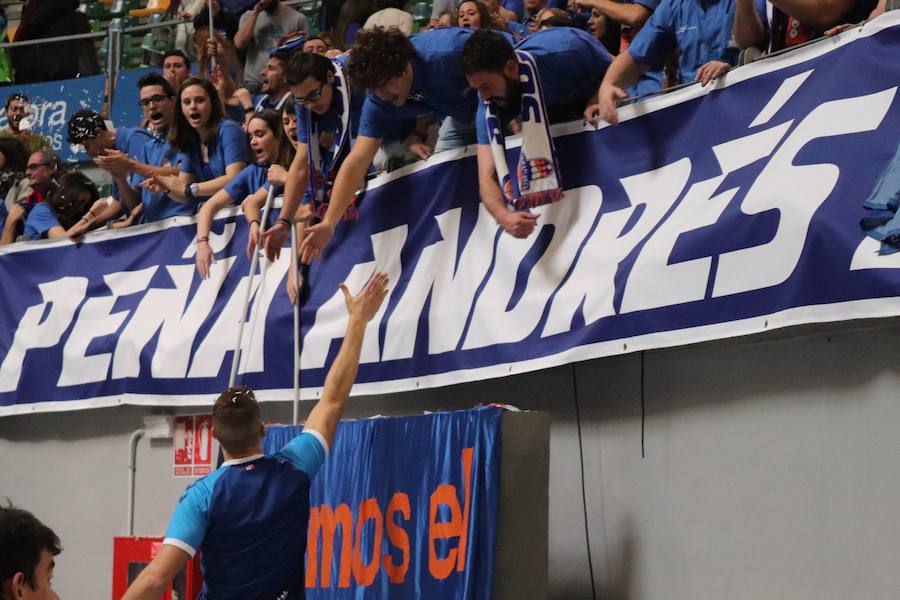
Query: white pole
(235, 360)
(212, 31)
(295, 271)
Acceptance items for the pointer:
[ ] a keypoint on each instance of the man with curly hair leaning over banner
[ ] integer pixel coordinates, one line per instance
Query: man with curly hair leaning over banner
(405, 78)
(249, 517)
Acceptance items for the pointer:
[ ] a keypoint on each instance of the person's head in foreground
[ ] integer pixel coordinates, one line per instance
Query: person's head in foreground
(237, 423)
(27, 548)
(489, 65)
(87, 128)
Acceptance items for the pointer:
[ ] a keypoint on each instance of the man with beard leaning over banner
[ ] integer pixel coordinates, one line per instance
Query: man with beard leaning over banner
(405, 78)
(548, 77)
(249, 517)
(327, 124)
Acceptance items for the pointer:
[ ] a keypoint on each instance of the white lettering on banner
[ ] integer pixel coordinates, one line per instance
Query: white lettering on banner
(592, 283)
(493, 321)
(221, 338)
(451, 286)
(473, 304)
(331, 316)
(165, 311)
(654, 281)
(95, 320)
(797, 192)
(36, 329)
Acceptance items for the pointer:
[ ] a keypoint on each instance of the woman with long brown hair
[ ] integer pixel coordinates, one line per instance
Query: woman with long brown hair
(273, 153)
(212, 150)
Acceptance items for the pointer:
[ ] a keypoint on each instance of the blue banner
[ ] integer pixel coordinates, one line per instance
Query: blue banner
(52, 104)
(126, 108)
(706, 213)
(382, 526)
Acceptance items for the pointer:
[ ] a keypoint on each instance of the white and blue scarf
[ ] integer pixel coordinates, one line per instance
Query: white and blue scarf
(322, 179)
(537, 173)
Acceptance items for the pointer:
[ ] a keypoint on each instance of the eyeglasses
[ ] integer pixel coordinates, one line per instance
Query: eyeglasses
(312, 96)
(36, 166)
(155, 99)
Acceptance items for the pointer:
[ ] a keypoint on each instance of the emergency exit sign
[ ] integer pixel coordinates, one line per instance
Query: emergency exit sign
(193, 444)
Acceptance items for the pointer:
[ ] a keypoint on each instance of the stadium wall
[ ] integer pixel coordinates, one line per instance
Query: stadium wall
(768, 471)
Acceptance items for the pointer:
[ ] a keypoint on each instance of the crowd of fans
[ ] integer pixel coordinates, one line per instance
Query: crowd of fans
(264, 103)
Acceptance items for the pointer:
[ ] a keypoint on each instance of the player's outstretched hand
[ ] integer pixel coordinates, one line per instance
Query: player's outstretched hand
(365, 304)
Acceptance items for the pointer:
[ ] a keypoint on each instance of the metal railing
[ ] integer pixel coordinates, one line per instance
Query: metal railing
(115, 36)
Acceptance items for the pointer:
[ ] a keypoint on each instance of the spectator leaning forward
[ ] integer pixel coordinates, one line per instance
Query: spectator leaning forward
(699, 29)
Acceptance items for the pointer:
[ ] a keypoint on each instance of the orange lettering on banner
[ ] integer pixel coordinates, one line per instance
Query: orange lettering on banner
(398, 538)
(444, 494)
(365, 573)
(325, 520)
(467, 488)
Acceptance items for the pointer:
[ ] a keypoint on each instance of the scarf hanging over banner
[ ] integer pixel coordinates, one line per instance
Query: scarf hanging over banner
(322, 177)
(538, 178)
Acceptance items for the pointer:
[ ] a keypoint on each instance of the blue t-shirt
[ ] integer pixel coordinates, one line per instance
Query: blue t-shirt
(158, 153)
(228, 147)
(249, 520)
(571, 64)
(438, 88)
(248, 181)
(650, 82)
(131, 141)
(40, 221)
(700, 29)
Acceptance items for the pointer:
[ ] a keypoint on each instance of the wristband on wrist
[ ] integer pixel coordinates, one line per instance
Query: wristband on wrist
(195, 189)
(286, 222)
(249, 109)
(201, 240)
(188, 190)
(254, 221)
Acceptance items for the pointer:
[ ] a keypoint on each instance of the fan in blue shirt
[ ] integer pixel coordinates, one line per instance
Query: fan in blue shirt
(70, 199)
(570, 64)
(273, 152)
(249, 518)
(699, 29)
(212, 149)
(112, 150)
(312, 80)
(631, 14)
(405, 78)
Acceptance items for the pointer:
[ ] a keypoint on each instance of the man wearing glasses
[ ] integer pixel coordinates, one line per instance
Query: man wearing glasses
(154, 157)
(40, 170)
(16, 111)
(327, 123)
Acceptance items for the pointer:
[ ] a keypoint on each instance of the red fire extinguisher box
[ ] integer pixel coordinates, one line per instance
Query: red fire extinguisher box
(131, 555)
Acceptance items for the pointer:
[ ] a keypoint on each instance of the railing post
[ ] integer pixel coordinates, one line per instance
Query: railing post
(113, 58)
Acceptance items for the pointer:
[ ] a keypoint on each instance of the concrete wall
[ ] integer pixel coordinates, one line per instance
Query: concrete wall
(769, 469)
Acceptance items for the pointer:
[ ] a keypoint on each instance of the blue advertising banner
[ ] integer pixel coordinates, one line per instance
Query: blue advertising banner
(52, 104)
(126, 109)
(381, 526)
(706, 213)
